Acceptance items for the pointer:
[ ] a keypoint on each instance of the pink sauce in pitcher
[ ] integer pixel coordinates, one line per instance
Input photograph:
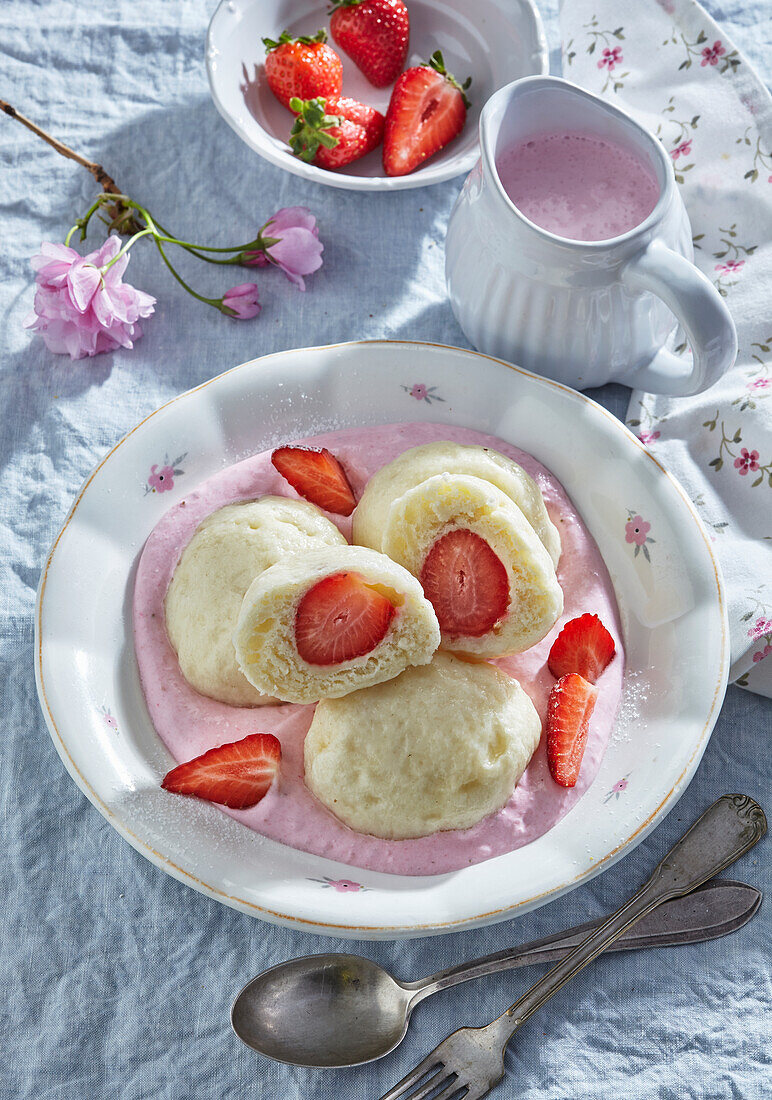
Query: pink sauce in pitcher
(578, 186)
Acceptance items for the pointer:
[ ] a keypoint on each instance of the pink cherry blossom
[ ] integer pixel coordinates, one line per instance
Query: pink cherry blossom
(647, 437)
(747, 460)
(620, 785)
(419, 391)
(82, 306)
(761, 627)
(243, 300)
(297, 249)
(636, 530)
(711, 54)
(161, 478)
(610, 58)
(681, 150)
(730, 267)
(760, 654)
(759, 384)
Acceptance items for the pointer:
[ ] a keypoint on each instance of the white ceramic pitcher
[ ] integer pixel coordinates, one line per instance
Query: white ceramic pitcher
(581, 312)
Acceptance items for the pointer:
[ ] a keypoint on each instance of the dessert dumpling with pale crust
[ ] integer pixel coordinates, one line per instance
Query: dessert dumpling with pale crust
(326, 622)
(443, 457)
(482, 567)
(440, 747)
(227, 551)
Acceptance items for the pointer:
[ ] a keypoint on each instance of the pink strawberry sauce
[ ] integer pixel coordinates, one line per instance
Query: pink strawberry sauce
(189, 723)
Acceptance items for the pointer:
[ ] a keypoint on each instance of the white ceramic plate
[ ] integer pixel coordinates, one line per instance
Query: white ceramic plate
(493, 41)
(666, 580)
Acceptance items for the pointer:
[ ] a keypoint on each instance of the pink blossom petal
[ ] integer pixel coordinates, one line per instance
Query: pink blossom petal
(290, 217)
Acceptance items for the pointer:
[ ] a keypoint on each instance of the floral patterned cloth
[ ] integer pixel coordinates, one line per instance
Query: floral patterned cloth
(672, 67)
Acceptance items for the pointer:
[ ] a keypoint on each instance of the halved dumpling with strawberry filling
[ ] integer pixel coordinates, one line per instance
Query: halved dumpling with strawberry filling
(482, 566)
(444, 457)
(327, 622)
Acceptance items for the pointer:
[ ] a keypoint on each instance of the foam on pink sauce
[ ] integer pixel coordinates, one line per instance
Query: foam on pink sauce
(578, 185)
(189, 723)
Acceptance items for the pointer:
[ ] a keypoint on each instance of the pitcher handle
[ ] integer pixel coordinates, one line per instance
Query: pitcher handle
(701, 311)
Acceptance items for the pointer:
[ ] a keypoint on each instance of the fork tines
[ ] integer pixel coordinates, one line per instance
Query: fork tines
(431, 1080)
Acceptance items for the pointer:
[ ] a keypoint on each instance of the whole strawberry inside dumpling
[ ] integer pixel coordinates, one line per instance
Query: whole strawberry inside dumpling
(326, 622)
(228, 550)
(444, 457)
(481, 565)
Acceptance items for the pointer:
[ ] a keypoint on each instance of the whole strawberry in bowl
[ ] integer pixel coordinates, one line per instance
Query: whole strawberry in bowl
(375, 35)
(334, 132)
(493, 41)
(302, 66)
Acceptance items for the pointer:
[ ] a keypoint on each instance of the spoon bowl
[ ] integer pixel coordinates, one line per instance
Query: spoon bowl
(323, 1010)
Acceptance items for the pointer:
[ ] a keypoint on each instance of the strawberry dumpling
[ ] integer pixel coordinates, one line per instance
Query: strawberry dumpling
(227, 551)
(481, 565)
(440, 747)
(419, 463)
(328, 621)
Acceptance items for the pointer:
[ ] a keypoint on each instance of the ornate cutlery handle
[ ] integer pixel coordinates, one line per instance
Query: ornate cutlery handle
(725, 831)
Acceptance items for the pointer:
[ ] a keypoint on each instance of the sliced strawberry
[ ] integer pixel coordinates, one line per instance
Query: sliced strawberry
(335, 131)
(427, 110)
(570, 706)
(375, 35)
(466, 583)
(317, 476)
(302, 66)
(584, 646)
(235, 775)
(341, 617)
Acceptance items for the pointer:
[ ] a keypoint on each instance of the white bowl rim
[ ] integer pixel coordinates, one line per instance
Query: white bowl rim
(427, 176)
(414, 929)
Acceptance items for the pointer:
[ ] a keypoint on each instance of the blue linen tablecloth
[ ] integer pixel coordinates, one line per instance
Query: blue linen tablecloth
(117, 979)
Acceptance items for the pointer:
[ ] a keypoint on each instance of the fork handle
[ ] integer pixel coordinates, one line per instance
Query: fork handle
(728, 829)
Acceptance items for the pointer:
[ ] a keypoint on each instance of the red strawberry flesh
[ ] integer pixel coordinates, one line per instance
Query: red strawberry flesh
(584, 646)
(570, 706)
(318, 476)
(236, 775)
(466, 583)
(339, 618)
(427, 110)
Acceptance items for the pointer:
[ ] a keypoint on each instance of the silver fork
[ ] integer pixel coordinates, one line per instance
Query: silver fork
(470, 1062)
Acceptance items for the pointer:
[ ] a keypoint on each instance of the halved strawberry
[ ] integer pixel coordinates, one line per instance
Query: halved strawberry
(302, 66)
(466, 584)
(318, 476)
(427, 110)
(335, 131)
(236, 775)
(341, 617)
(570, 706)
(584, 646)
(375, 35)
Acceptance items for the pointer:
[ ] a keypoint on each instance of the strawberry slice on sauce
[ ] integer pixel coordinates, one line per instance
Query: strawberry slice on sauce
(584, 646)
(318, 476)
(341, 617)
(466, 584)
(570, 706)
(237, 775)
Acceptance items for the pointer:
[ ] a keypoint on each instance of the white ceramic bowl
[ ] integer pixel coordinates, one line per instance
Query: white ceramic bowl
(493, 41)
(666, 579)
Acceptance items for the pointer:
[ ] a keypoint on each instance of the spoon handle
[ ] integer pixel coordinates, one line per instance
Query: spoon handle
(716, 909)
(726, 830)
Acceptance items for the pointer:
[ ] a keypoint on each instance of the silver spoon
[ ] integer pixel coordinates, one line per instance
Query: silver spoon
(342, 1010)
